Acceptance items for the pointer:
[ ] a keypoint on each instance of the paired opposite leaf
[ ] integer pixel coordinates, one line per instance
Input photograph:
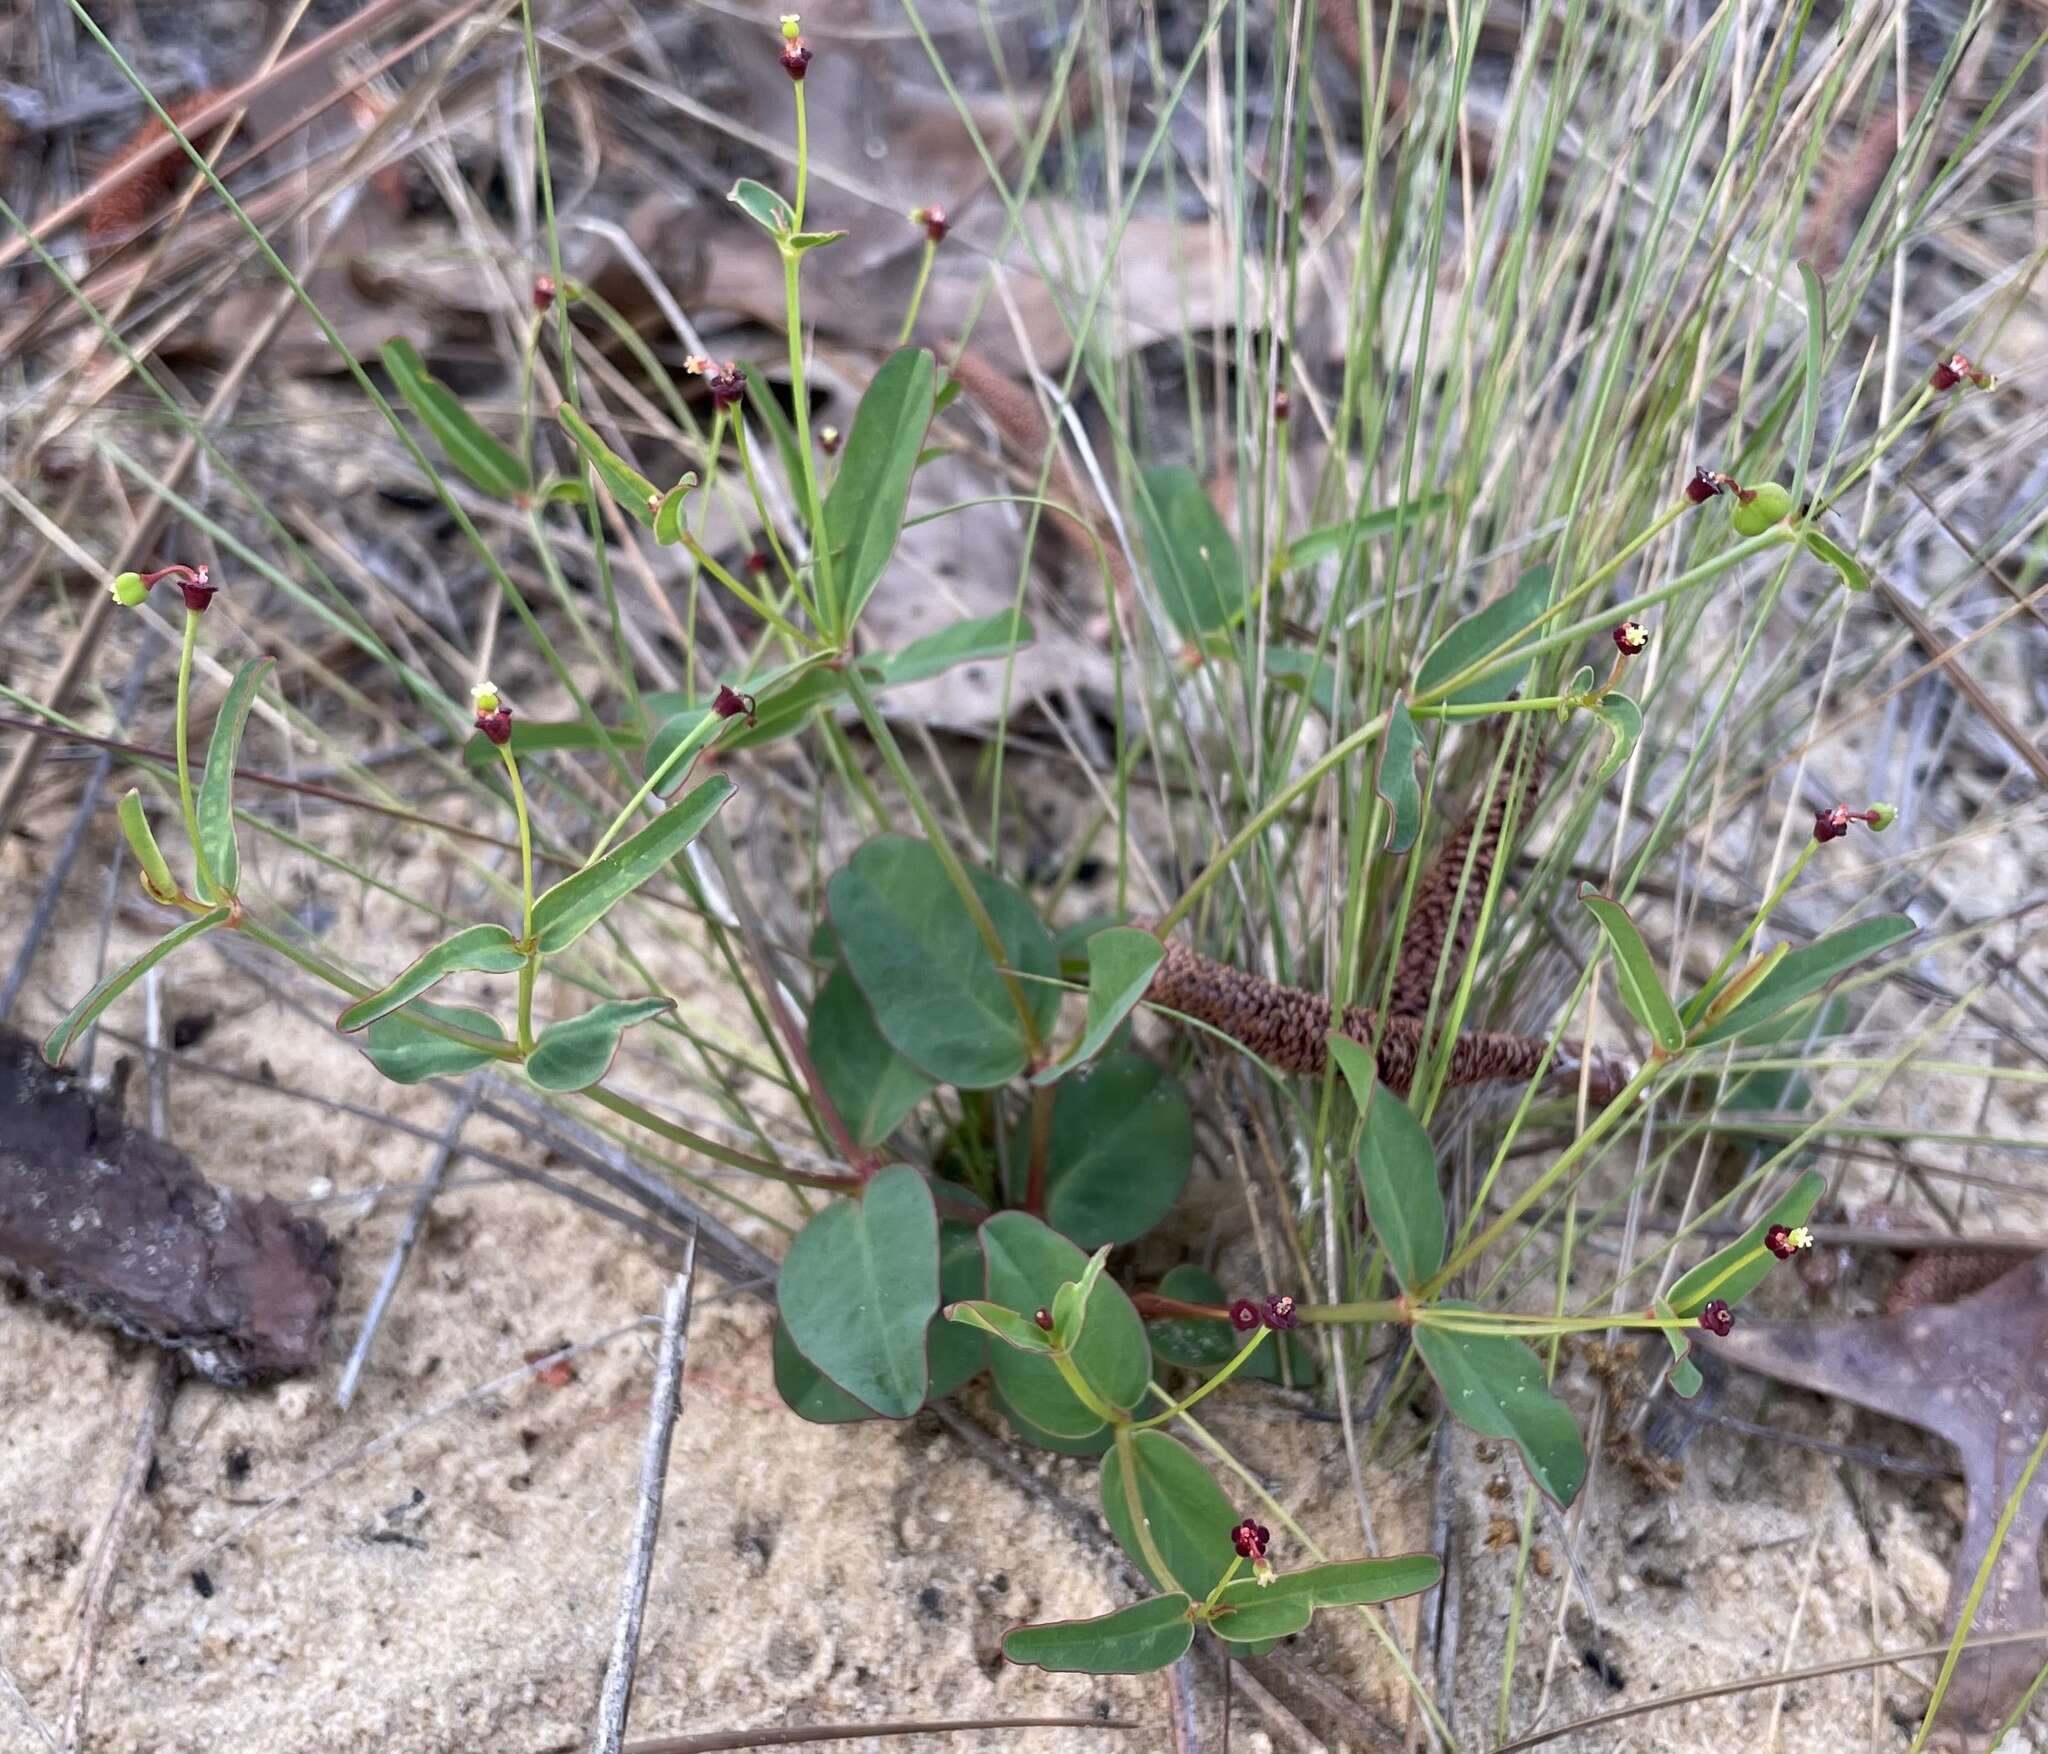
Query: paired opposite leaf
(1498, 627)
(1395, 781)
(864, 509)
(1132, 1641)
(474, 949)
(763, 206)
(216, 802)
(408, 1053)
(1402, 1198)
(1005, 1324)
(1156, 1482)
(1624, 722)
(1495, 1385)
(564, 913)
(576, 1052)
(1283, 1606)
(157, 880)
(859, 1287)
(1805, 971)
(1635, 972)
(1719, 1276)
(625, 483)
(488, 464)
(1852, 570)
(1121, 963)
(1195, 564)
(81, 1015)
(1027, 1264)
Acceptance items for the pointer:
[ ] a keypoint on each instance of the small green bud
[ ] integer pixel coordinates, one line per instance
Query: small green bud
(1881, 816)
(129, 591)
(1761, 507)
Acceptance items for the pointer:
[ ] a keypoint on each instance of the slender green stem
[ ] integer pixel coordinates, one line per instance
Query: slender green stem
(207, 887)
(739, 433)
(1383, 1309)
(1174, 1409)
(1485, 709)
(803, 156)
(1224, 1582)
(1085, 1393)
(787, 629)
(1704, 997)
(924, 274)
(531, 966)
(629, 1110)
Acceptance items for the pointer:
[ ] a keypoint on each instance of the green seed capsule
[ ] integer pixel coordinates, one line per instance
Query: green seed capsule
(1765, 506)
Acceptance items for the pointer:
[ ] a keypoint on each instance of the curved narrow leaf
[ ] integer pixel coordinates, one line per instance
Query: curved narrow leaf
(763, 206)
(1005, 1324)
(1354, 1583)
(576, 1052)
(564, 913)
(1739, 986)
(864, 508)
(1195, 563)
(807, 1391)
(1732, 1273)
(965, 642)
(909, 941)
(216, 802)
(1326, 543)
(627, 485)
(669, 527)
(1132, 1641)
(1635, 972)
(1624, 722)
(1027, 1264)
(81, 1015)
(1808, 969)
(859, 1287)
(1121, 963)
(803, 242)
(871, 1085)
(1395, 780)
(1501, 625)
(1248, 1612)
(1838, 557)
(408, 1054)
(1185, 1515)
(1205, 1343)
(157, 880)
(1575, 692)
(1121, 1146)
(1398, 1167)
(474, 949)
(1495, 1385)
(488, 464)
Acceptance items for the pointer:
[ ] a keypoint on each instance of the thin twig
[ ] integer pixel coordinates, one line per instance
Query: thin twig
(99, 1591)
(408, 1239)
(12, 1692)
(662, 1408)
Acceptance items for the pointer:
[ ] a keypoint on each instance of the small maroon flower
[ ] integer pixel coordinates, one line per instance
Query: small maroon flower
(934, 221)
(1778, 1239)
(731, 704)
(543, 293)
(1280, 1312)
(1632, 639)
(1043, 1317)
(757, 564)
(828, 440)
(796, 58)
(497, 725)
(727, 383)
(1244, 1315)
(198, 593)
(1831, 824)
(1283, 404)
(1717, 1318)
(1251, 1539)
(1704, 485)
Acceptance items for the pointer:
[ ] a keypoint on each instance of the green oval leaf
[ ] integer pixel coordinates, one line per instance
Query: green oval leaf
(1027, 1264)
(1132, 1641)
(1354, 1583)
(626, 484)
(474, 949)
(864, 509)
(1157, 1481)
(979, 641)
(859, 1287)
(1495, 1385)
(956, 1353)
(871, 1085)
(1395, 780)
(576, 1052)
(1732, 1273)
(1635, 972)
(216, 802)
(1206, 1343)
(1121, 963)
(1248, 1612)
(408, 1054)
(1195, 564)
(1498, 627)
(803, 242)
(1121, 1146)
(1624, 722)
(564, 913)
(1094, 1444)
(909, 941)
(488, 464)
(763, 206)
(81, 1015)
(1806, 970)
(1398, 1167)
(807, 1391)
(157, 881)
(1331, 540)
